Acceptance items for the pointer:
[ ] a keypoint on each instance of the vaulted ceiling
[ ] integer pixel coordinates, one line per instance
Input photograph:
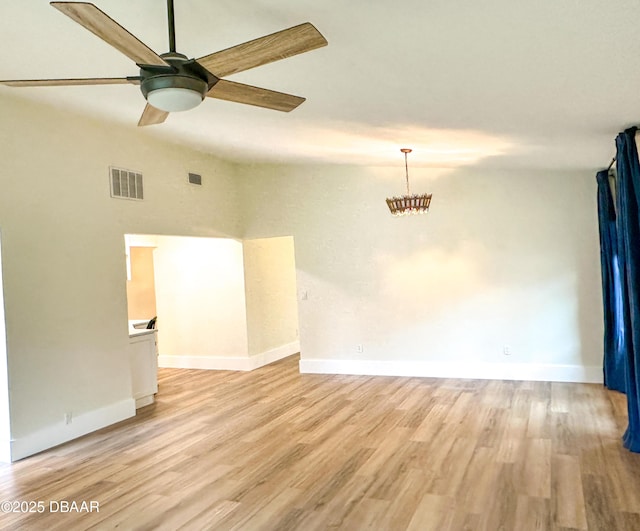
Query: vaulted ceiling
(500, 83)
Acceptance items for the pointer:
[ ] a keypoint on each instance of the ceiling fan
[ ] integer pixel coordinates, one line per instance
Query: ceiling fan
(172, 82)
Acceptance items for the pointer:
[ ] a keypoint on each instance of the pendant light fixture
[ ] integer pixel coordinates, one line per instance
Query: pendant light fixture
(408, 204)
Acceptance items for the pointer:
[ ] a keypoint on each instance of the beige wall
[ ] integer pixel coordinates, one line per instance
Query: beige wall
(270, 279)
(502, 259)
(63, 258)
(141, 290)
(200, 297)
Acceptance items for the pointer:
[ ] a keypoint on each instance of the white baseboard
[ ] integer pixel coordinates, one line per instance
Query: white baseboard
(145, 401)
(481, 371)
(275, 354)
(80, 425)
(229, 363)
(219, 363)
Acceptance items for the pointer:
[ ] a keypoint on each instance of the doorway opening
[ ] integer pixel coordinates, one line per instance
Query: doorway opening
(220, 303)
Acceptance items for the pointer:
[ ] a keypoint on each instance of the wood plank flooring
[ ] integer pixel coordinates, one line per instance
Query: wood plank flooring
(276, 450)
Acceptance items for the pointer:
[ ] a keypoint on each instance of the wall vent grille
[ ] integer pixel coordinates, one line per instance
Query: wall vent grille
(194, 178)
(126, 184)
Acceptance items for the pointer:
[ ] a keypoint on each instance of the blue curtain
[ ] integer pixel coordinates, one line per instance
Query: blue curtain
(628, 231)
(614, 363)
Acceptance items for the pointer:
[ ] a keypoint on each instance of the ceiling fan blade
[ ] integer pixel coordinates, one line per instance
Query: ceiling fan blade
(152, 116)
(240, 93)
(100, 24)
(69, 82)
(280, 45)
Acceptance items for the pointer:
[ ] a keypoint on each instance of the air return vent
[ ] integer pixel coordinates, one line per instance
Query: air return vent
(126, 184)
(194, 178)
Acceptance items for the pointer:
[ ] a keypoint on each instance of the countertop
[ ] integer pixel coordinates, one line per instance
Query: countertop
(138, 328)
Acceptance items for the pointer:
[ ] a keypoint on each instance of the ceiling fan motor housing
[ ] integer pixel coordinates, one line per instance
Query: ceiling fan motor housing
(185, 78)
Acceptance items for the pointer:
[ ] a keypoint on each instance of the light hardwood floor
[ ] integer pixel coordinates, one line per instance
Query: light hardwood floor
(276, 450)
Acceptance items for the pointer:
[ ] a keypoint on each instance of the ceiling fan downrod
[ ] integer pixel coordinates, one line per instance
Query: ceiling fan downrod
(172, 26)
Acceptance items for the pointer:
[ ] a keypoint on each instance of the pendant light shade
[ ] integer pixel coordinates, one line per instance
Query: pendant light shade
(408, 204)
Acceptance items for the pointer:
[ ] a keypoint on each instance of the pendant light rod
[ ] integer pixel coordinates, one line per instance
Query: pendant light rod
(172, 26)
(406, 166)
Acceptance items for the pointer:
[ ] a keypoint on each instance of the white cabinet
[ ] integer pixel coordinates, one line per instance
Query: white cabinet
(144, 366)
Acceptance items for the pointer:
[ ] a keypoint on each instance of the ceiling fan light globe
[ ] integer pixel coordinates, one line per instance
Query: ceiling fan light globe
(174, 92)
(173, 99)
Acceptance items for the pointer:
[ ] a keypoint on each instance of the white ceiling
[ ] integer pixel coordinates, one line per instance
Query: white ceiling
(499, 83)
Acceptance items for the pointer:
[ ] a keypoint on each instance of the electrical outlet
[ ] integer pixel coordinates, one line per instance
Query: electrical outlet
(68, 418)
(304, 295)
(359, 348)
(506, 350)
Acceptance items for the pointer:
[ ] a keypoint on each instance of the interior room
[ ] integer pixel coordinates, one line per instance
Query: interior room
(317, 361)
(225, 304)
